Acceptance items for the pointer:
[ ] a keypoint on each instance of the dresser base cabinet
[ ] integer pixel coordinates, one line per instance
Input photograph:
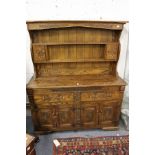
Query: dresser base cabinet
(73, 108)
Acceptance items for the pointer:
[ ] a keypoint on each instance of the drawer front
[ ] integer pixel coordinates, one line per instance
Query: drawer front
(100, 95)
(53, 97)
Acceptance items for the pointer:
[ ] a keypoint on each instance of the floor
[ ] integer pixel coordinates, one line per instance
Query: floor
(44, 147)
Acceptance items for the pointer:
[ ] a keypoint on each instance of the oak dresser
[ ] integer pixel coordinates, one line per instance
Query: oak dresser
(76, 84)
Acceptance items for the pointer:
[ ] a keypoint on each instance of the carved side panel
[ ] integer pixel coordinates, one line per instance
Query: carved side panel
(33, 108)
(39, 53)
(111, 51)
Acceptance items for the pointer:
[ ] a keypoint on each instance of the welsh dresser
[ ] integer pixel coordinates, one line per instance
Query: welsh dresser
(75, 84)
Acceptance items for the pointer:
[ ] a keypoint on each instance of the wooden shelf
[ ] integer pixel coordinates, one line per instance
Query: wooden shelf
(79, 60)
(73, 43)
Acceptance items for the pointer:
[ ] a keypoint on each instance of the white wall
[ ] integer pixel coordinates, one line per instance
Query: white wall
(79, 10)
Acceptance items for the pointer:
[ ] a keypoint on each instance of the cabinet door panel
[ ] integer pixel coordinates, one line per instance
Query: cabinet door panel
(89, 115)
(109, 112)
(66, 116)
(44, 117)
(47, 118)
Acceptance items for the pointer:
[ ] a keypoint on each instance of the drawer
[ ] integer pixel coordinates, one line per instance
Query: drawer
(45, 97)
(100, 95)
(48, 105)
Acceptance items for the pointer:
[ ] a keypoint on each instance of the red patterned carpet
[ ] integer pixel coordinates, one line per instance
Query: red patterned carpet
(115, 145)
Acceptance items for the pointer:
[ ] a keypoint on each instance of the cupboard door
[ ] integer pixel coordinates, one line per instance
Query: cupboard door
(44, 117)
(66, 116)
(89, 115)
(109, 112)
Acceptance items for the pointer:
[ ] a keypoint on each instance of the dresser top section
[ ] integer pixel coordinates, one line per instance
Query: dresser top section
(40, 25)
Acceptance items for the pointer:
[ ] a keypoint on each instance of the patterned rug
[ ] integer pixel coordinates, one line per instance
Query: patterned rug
(115, 145)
